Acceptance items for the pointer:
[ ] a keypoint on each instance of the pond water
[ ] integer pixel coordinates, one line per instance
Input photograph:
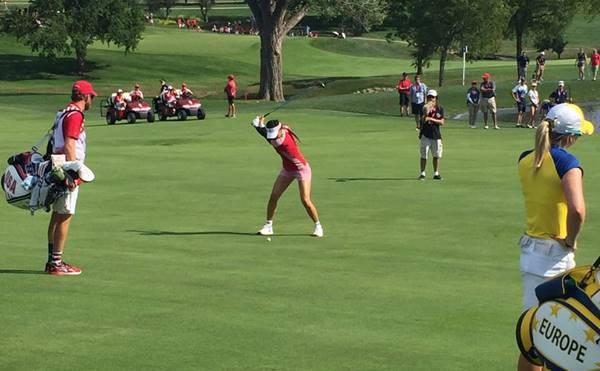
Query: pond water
(509, 115)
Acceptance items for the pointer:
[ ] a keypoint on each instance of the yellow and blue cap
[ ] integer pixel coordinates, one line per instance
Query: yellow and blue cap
(569, 119)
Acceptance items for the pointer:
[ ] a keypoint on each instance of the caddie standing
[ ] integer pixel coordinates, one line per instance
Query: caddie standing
(69, 139)
(551, 181)
(430, 135)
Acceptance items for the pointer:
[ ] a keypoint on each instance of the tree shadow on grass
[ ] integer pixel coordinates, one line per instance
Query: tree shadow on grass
(343, 180)
(21, 271)
(208, 233)
(22, 67)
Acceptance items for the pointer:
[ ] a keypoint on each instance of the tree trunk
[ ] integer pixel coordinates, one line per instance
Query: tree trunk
(81, 54)
(443, 58)
(519, 31)
(274, 20)
(271, 66)
(419, 64)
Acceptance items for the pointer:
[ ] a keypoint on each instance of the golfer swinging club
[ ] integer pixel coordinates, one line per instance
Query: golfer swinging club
(283, 139)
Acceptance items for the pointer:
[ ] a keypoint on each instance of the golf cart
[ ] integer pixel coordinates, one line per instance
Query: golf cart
(134, 110)
(182, 108)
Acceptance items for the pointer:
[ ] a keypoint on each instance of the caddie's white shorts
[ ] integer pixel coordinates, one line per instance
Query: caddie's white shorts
(66, 204)
(433, 145)
(540, 260)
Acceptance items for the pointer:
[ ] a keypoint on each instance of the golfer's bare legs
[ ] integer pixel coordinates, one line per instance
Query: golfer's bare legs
(58, 230)
(304, 187)
(532, 118)
(280, 185)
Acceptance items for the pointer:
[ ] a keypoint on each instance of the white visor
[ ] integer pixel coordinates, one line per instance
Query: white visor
(272, 132)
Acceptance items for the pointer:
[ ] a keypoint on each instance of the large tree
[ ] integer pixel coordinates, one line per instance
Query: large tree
(275, 19)
(156, 5)
(205, 6)
(440, 26)
(53, 27)
(537, 17)
(355, 16)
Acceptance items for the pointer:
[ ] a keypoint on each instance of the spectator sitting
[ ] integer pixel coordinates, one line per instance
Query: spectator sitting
(169, 96)
(119, 100)
(136, 94)
(163, 87)
(560, 95)
(185, 92)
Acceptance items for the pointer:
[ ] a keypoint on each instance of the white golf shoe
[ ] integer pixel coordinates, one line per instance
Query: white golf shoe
(318, 231)
(266, 230)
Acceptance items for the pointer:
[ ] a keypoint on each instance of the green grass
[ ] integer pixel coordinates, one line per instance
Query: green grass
(411, 275)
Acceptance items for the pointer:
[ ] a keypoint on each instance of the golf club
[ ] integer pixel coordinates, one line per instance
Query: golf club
(320, 84)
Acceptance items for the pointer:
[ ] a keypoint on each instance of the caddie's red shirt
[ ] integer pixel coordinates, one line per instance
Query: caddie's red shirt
(231, 88)
(595, 59)
(288, 150)
(404, 86)
(73, 123)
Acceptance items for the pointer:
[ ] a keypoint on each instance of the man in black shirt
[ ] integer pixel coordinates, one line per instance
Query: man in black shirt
(522, 63)
(430, 134)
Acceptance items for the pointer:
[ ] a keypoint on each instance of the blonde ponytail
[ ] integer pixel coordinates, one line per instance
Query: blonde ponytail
(542, 143)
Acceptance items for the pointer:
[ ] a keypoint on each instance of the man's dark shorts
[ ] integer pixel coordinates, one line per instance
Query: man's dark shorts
(404, 101)
(521, 106)
(230, 99)
(417, 108)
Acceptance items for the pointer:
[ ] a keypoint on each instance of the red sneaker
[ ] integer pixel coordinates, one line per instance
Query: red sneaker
(62, 269)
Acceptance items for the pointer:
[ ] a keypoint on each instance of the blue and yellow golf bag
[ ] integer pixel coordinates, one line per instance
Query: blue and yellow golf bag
(563, 331)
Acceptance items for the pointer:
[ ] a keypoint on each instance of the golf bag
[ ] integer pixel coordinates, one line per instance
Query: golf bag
(563, 331)
(31, 183)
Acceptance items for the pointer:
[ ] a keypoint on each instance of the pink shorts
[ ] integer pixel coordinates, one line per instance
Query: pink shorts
(304, 175)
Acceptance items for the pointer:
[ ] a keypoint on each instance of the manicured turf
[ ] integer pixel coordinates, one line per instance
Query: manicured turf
(410, 275)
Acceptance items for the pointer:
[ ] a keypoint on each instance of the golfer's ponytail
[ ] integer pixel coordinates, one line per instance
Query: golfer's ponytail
(542, 143)
(296, 138)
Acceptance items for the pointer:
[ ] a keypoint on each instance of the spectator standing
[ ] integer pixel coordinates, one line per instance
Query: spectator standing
(430, 134)
(231, 91)
(540, 66)
(404, 92)
(519, 94)
(418, 91)
(473, 98)
(534, 102)
(488, 100)
(69, 139)
(522, 63)
(594, 62)
(581, 62)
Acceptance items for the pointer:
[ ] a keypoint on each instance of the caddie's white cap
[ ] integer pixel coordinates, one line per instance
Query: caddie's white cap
(561, 83)
(543, 53)
(569, 119)
(273, 128)
(432, 93)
